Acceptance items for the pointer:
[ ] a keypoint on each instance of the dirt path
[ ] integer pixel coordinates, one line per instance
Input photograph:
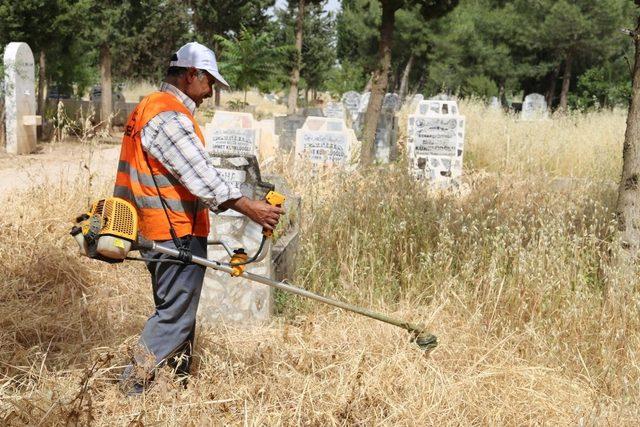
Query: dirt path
(55, 163)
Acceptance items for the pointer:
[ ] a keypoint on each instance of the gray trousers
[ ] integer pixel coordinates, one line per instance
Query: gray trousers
(176, 292)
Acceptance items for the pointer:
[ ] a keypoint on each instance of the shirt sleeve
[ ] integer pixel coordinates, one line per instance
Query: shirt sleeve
(171, 139)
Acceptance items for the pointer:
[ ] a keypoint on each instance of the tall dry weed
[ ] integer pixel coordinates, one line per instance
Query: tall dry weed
(512, 277)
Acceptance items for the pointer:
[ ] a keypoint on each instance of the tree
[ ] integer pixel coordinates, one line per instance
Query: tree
(103, 27)
(292, 103)
(430, 9)
(155, 30)
(226, 18)
(318, 45)
(300, 5)
(628, 204)
(251, 60)
(577, 29)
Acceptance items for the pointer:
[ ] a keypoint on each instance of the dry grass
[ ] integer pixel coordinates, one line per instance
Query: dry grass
(513, 279)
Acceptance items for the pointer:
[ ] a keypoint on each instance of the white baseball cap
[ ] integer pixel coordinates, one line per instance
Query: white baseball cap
(198, 56)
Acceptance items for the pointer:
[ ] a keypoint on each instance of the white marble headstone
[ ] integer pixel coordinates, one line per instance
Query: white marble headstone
(323, 147)
(364, 102)
(232, 133)
(436, 142)
(20, 100)
(334, 110)
(232, 299)
(351, 101)
(437, 107)
(534, 107)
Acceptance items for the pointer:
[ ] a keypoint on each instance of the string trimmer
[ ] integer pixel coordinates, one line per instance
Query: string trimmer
(109, 231)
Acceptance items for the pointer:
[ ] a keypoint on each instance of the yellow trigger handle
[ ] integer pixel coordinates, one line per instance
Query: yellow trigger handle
(274, 199)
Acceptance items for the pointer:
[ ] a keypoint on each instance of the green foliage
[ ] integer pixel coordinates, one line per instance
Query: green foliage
(479, 48)
(345, 77)
(226, 18)
(600, 87)
(357, 33)
(237, 105)
(50, 26)
(479, 86)
(318, 43)
(251, 60)
(156, 29)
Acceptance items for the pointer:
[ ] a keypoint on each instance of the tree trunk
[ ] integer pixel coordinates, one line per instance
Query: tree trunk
(566, 82)
(502, 94)
(42, 88)
(106, 104)
(295, 73)
(404, 82)
(379, 84)
(553, 82)
(628, 205)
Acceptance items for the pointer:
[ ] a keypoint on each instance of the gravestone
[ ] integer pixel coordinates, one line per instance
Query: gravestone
(358, 123)
(286, 127)
(325, 141)
(232, 141)
(324, 123)
(391, 101)
(235, 299)
(268, 143)
(436, 143)
(534, 107)
(232, 133)
(20, 102)
(437, 107)
(323, 147)
(334, 110)
(494, 103)
(351, 102)
(312, 111)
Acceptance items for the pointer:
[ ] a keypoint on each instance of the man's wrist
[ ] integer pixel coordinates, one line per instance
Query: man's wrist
(239, 204)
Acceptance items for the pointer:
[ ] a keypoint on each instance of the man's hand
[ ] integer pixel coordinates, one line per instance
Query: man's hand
(257, 210)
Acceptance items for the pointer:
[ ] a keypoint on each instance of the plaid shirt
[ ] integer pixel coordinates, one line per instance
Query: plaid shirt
(171, 138)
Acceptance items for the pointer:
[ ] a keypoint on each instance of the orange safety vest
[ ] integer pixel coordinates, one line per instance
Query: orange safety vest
(134, 181)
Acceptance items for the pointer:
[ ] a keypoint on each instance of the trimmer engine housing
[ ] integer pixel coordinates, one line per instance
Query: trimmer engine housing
(108, 230)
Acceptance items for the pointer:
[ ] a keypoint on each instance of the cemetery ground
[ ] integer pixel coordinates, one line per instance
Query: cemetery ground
(512, 275)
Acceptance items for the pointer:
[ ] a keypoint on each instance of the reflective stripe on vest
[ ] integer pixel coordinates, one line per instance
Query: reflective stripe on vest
(153, 202)
(145, 178)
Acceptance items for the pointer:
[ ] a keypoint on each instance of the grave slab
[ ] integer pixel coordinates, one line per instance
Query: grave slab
(334, 110)
(286, 127)
(534, 107)
(20, 102)
(436, 143)
(233, 299)
(351, 102)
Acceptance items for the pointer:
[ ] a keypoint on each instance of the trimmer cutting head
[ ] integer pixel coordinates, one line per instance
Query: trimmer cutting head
(421, 337)
(425, 340)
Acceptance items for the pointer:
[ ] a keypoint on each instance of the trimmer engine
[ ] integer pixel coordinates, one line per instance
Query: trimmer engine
(108, 230)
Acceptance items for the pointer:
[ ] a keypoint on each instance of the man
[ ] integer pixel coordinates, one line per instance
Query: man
(165, 172)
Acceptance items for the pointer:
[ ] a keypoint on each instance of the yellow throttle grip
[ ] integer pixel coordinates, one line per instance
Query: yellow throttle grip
(237, 262)
(274, 199)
